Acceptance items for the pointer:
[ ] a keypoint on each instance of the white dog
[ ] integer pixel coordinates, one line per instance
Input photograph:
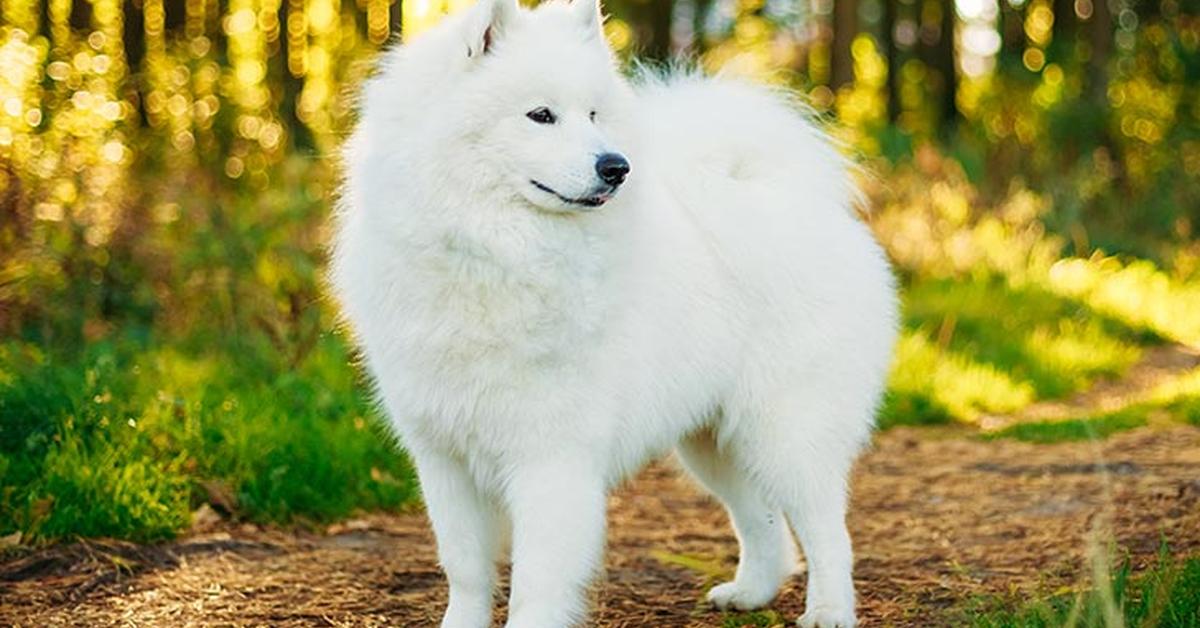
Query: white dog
(556, 275)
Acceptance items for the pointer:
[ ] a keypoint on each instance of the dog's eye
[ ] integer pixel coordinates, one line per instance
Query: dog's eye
(592, 115)
(541, 115)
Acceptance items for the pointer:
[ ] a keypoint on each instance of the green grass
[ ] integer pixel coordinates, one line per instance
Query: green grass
(1167, 595)
(1075, 429)
(127, 439)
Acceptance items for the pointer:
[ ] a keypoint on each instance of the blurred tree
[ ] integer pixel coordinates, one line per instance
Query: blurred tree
(396, 17)
(176, 14)
(938, 19)
(1100, 36)
(887, 30)
(44, 16)
(845, 27)
(208, 99)
(80, 15)
(651, 20)
(701, 10)
(135, 49)
(291, 84)
(1012, 35)
(1066, 27)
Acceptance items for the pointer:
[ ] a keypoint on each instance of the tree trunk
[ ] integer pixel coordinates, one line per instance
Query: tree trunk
(396, 18)
(845, 26)
(290, 87)
(1101, 36)
(946, 63)
(1066, 29)
(1012, 24)
(701, 10)
(652, 23)
(133, 37)
(176, 15)
(887, 35)
(81, 16)
(134, 40)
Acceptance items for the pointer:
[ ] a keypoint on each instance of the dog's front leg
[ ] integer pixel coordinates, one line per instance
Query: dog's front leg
(467, 537)
(558, 511)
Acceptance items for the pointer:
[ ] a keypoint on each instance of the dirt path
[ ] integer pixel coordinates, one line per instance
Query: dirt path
(937, 517)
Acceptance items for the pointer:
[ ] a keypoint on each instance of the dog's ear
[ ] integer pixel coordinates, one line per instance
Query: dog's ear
(589, 15)
(486, 22)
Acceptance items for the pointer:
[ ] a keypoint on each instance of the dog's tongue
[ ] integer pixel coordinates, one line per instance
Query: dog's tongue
(602, 197)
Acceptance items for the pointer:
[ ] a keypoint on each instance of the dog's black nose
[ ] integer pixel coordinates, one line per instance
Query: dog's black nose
(612, 168)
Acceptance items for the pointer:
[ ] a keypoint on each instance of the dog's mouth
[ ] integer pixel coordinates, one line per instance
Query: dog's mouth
(592, 200)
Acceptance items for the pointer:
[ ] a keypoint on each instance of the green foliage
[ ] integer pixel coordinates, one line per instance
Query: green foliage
(125, 440)
(1167, 595)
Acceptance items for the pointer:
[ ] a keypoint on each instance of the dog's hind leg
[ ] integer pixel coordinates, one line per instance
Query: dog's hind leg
(818, 515)
(468, 534)
(801, 453)
(767, 552)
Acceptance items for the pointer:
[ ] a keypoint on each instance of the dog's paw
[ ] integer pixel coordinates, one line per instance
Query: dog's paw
(827, 617)
(733, 595)
(476, 614)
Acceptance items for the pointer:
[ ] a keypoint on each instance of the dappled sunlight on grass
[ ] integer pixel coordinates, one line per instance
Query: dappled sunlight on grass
(1074, 353)
(1137, 293)
(933, 385)
(1055, 344)
(1185, 385)
(1179, 396)
(981, 346)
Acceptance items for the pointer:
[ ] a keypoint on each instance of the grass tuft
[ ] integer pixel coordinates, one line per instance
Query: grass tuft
(1167, 595)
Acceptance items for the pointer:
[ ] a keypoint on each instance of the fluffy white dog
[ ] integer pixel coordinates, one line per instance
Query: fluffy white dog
(556, 276)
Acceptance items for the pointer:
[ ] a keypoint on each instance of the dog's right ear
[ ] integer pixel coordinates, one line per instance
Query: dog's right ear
(590, 15)
(486, 22)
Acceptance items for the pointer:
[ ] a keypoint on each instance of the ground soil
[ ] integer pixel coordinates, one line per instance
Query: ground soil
(938, 518)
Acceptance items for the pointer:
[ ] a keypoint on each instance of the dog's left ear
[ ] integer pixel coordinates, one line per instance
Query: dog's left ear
(589, 15)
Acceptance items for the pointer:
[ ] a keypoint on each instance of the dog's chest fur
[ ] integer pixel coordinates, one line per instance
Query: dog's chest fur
(485, 318)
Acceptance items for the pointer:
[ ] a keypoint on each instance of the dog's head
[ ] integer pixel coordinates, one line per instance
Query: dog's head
(539, 99)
